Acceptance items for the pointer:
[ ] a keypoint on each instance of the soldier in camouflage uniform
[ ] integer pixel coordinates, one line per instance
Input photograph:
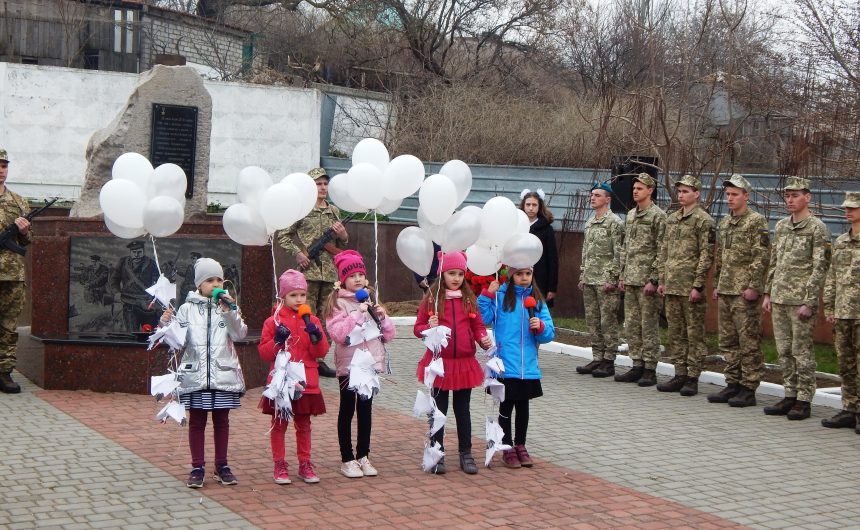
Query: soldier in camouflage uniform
(799, 258)
(842, 309)
(638, 279)
(741, 260)
(686, 255)
(598, 281)
(320, 274)
(13, 208)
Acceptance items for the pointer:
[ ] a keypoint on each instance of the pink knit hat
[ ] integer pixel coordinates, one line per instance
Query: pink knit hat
(451, 260)
(292, 280)
(347, 263)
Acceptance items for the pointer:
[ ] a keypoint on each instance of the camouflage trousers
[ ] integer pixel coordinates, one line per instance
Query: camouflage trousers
(318, 293)
(793, 338)
(686, 334)
(11, 303)
(601, 315)
(642, 326)
(846, 339)
(740, 338)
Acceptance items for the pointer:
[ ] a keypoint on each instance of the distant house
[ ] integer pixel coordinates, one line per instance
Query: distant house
(120, 35)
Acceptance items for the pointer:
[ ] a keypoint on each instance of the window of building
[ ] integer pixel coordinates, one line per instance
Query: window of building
(124, 30)
(91, 59)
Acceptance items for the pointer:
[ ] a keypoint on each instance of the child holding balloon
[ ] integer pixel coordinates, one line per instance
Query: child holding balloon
(520, 324)
(349, 307)
(454, 307)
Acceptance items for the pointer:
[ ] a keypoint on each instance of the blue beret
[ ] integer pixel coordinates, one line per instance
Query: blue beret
(602, 186)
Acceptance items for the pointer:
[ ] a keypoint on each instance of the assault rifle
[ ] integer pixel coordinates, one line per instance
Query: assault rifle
(324, 240)
(9, 235)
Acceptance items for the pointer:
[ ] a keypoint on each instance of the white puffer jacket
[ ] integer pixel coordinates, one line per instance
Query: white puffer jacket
(209, 359)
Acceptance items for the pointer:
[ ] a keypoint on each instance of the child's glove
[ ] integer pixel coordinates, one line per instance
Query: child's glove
(312, 329)
(281, 334)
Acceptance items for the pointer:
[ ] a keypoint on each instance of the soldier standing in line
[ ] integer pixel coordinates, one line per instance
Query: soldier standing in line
(638, 279)
(842, 309)
(686, 255)
(598, 281)
(741, 260)
(799, 258)
(134, 274)
(13, 208)
(320, 274)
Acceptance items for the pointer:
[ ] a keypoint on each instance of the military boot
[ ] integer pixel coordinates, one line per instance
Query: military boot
(588, 368)
(744, 398)
(605, 369)
(842, 419)
(800, 411)
(7, 386)
(673, 385)
(632, 375)
(649, 377)
(724, 395)
(781, 407)
(691, 387)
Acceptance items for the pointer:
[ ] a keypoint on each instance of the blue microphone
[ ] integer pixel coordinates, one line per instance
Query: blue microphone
(363, 296)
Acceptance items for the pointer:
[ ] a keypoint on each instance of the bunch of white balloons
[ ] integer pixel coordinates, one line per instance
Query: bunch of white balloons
(140, 199)
(265, 207)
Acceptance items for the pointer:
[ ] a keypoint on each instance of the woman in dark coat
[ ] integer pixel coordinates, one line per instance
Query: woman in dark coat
(540, 217)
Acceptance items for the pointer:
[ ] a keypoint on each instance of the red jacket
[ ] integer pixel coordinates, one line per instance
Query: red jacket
(465, 330)
(298, 344)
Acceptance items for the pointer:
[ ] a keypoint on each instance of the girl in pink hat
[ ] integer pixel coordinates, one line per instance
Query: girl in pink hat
(344, 312)
(456, 308)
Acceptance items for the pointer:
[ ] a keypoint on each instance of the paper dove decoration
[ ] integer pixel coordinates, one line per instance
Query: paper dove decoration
(424, 405)
(496, 388)
(363, 378)
(432, 455)
(173, 410)
(494, 441)
(163, 385)
(433, 370)
(287, 384)
(364, 332)
(296, 379)
(437, 420)
(173, 334)
(495, 364)
(163, 291)
(491, 351)
(436, 338)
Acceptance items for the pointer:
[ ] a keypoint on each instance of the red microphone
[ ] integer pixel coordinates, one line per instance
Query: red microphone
(530, 304)
(314, 333)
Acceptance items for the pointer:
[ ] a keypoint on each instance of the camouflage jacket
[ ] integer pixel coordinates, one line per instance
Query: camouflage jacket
(842, 288)
(13, 206)
(742, 253)
(799, 257)
(687, 250)
(601, 250)
(307, 231)
(642, 235)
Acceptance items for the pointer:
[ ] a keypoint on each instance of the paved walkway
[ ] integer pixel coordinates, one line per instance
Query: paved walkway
(609, 455)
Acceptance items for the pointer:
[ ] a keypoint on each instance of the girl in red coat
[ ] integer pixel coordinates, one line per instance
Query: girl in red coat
(457, 309)
(306, 343)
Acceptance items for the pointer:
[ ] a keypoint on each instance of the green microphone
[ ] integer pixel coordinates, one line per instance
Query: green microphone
(221, 295)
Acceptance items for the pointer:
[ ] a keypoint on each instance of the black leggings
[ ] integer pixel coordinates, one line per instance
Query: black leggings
(349, 405)
(506, 408)
(461, 414)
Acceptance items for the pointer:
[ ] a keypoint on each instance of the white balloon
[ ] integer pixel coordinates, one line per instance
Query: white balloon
(338, 191)
(279, 207)
(306, 188)
(124, 232)
(168, 180)
(403, 176)
(133, 167)
(482, 261)
(415, 250)
(389, 206)
(472, 208)
(461, 231)
(433, 231)
(253, 182)
(522, 250)
(163, 216)
(244, 225)
(438, 198)
(370, 151)
(123, 202)
(366, 185)
(460, 175)
(498, 220)
(523, 223)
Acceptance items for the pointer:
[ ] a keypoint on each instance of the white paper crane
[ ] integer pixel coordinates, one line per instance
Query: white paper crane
(173, 410)
(163, 385)
(432, 455)
(436, 338)
(494, 440)
(163, 290)
(424, 405)
(496, 388)
(287, 384)
(364, 332)
(363, 378)
(173, 334)
(434, 369)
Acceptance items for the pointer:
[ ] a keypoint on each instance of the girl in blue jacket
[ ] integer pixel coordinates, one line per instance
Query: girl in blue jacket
(518, 330)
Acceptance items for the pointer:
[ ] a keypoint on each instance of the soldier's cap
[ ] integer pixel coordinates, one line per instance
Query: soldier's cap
(689, 180)
(796, 184)
(134, 245)
(646, 179)
(852, 199)
(196, 255)
(95, 257)
(317, 173)
(4, 156)
(603, 186)
(737, 181)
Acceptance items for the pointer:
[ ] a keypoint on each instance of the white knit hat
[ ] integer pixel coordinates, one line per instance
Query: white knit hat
(205, 268)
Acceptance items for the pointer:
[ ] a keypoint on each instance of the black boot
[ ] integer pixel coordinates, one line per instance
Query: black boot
(467, 463)
(605, 369)
(724, 395)
(800, 411)
(649, 377)
(632, 375)
(439, 469)
(744, 398)
(325, 371)
(842, 419)
(7, 386)
(691, 387)
(673, 385)
(781, 407)
(588, 368)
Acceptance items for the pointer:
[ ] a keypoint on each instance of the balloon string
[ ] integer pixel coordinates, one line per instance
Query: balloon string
(274, 266)
(376, 257)
(155, 253)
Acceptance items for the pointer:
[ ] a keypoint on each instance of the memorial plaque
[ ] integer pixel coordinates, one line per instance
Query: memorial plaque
(174, 139)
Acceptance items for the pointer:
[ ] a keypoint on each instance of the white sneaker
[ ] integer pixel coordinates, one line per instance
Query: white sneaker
(351, 469)
(367, 468)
